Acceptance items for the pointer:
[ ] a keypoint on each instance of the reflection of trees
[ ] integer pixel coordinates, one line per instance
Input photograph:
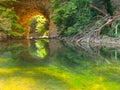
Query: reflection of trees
(27, 74)
(9, 53)
(79, 59)
(13, 50)
(67, 66)
(110, 53)
(75, 59)
(39, 48)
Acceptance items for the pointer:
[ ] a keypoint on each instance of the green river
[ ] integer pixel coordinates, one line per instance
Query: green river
(54, 65)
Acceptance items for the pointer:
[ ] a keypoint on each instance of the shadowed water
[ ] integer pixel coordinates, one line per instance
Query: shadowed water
(54, 65)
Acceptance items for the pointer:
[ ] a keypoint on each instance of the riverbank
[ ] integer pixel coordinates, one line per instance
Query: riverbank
(104, 41)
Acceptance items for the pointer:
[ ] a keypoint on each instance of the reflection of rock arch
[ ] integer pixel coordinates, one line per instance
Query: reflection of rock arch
(39, 48)
(26, 9)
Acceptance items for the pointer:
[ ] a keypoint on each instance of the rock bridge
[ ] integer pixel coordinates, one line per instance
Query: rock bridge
(26, 9)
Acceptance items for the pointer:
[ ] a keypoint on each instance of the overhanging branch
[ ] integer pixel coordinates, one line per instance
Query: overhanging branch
(96, 8)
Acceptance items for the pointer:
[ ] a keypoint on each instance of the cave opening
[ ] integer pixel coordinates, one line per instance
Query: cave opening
(39, 27)
(30, 12)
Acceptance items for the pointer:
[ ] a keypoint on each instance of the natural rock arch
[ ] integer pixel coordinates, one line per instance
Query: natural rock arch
(26, 9)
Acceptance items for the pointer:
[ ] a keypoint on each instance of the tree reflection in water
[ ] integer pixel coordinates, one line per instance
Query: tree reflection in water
(39, 48)
(67, 67)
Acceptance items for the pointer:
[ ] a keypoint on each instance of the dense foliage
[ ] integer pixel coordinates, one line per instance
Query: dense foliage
(39, 24)
(71, 16)
(8, 20)
(105, 5)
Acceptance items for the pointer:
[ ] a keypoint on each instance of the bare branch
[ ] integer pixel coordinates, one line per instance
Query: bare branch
(96, 8)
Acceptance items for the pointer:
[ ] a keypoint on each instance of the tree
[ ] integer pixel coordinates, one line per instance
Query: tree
(71, 16)
(8, 20)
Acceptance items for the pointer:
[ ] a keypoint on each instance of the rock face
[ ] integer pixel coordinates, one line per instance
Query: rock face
(26, 9)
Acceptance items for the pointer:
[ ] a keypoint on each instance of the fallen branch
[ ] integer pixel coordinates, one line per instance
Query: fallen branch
(96, 8)
(91, 35)
(110, 21)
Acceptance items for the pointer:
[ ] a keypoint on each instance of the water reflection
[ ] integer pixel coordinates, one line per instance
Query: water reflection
(39, 48)
(54, 65)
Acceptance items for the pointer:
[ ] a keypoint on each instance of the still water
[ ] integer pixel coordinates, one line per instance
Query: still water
(54, 65)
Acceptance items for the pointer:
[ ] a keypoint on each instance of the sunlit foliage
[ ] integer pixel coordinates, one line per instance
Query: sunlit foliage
(8, 20)
(5, 24)
(39, 24)
(39, 49)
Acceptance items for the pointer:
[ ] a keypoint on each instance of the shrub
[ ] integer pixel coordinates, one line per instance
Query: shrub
(71, 16)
